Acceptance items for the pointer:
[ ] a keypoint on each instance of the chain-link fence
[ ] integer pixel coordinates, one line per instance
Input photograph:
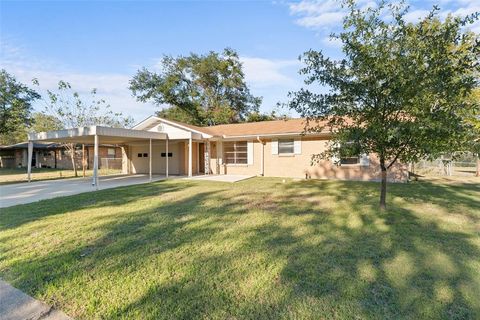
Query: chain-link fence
(110, 166)
(460, 165)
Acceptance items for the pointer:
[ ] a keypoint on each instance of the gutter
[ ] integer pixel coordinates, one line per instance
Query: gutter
(262, 158)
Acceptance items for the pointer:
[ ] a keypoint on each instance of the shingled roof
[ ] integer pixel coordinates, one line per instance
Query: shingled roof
(287, 126)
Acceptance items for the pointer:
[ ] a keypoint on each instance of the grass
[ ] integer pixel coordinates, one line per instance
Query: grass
(8, 176)
(257, 249)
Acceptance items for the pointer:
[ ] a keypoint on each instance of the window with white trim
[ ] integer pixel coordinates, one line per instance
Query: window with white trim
(111, 153)
(286, 146)
(345, 154)
(235, 152)
(350, 160)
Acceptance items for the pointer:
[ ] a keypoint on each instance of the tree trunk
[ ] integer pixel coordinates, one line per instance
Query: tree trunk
(383, 187)
(478, 166)
(72, 156)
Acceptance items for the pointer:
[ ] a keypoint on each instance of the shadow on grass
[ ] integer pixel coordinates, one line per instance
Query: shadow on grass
(302, 249)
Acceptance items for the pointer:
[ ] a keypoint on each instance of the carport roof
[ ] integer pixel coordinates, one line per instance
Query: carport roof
(106, 135)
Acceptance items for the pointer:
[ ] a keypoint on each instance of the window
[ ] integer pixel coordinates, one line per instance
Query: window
(286, 146)
(145, 155)
(111, 153)
(235, 152)
(139, 155)
(348, 154)
(169, 154)
(350, 160)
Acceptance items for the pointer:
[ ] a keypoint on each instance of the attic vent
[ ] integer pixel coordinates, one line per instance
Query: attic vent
(160, 128)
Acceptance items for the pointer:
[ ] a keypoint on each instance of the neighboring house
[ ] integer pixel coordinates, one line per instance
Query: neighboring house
(269, 148)
(54, 155)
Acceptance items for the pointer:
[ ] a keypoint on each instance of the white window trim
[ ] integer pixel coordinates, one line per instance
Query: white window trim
(250, 152)
(235, 155)
(274, 146)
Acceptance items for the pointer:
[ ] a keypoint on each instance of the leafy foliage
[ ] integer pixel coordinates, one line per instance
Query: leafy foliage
(66, 108)
(400, 90)
(15, 108)
(202, 89)
(72, 111)
(45, 122)
(257, 116)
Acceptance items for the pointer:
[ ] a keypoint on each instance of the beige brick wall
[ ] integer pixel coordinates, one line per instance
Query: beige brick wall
(299, 166)
(64, 161)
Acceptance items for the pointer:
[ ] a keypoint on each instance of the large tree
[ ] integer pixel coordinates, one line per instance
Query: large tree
(472, 118)
(66, 108)
(45, 122)
(200, 89)
(399, 90)
(15, 108)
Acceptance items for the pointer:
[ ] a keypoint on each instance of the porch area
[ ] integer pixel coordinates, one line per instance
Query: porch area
(145, 152)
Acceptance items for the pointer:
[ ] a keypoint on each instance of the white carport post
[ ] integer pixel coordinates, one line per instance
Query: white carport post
(190, 156)
(29, 159)
(166, 157)
(150, 161)
(95, 163)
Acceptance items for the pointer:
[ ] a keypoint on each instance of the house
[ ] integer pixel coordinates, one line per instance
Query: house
(271, 148)
(55, 155)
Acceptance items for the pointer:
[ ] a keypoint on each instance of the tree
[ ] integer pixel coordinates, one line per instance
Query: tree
(472, 119)
(399, 89)
(15, 108)
(71, 111)
(44, 122)
(257, 116)
(176, 114)
(202, 89)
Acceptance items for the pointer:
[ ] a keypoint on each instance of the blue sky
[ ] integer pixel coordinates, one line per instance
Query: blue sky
(102, 44)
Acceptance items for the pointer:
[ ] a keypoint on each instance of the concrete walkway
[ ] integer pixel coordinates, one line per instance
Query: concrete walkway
(26, 192)
(16, 305)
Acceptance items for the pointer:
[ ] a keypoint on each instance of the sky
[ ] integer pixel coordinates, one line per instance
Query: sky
(101, 44)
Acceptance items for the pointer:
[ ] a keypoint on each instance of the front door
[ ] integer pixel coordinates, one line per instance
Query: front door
(201, 158)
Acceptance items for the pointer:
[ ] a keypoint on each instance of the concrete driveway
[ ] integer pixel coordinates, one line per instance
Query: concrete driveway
(26, 192)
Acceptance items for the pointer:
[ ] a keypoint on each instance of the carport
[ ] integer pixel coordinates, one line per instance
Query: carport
(96, 135)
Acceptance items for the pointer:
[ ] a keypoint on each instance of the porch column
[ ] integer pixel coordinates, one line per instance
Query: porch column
(207, 157)
(190, 156)
(95, 163)
(220, 157)
(150, 161)
(83, 160)
(29, 160)
(166, 157)
(198, 158)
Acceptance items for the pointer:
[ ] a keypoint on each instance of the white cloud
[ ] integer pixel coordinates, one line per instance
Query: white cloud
(317, 14)
(415, 15)
(113, 87)
(322, 14)
(261, 72)
(327, 15)
(332, 42)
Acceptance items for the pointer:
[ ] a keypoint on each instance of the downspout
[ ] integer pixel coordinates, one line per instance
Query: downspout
(262, 157)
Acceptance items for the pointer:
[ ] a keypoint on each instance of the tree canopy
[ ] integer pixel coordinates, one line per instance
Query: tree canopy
(400, 89)
(200, 89)
(72, 110)
(15, 108)
(66, 108)
(44, 122)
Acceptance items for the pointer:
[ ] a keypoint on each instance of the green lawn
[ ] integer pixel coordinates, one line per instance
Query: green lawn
(257, 249)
